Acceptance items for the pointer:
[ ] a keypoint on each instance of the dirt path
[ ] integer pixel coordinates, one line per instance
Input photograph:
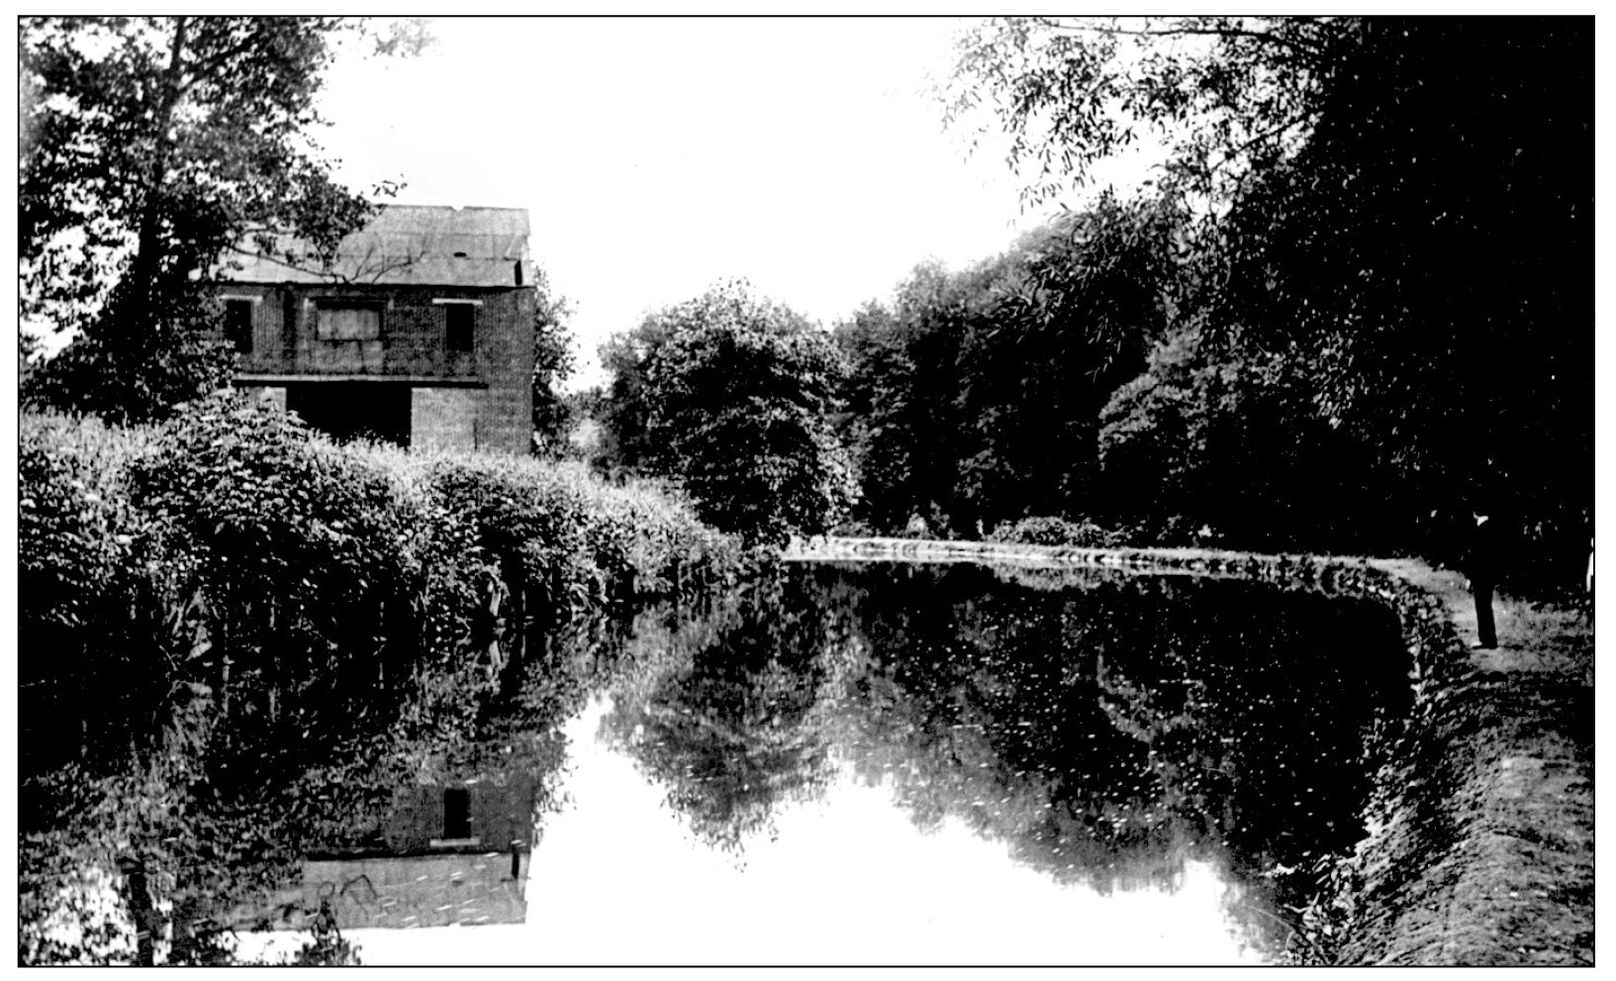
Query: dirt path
(1480, 848)
(1488, 858)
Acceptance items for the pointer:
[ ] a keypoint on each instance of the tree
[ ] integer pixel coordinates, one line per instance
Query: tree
(872, 424)
(1427, 256)
(891, 436)
(1076, 311)
(149, 147)
(1229, 96)
(553, 364)
(733, 395)
(624, 412)
(981, 393)
(1395, 219)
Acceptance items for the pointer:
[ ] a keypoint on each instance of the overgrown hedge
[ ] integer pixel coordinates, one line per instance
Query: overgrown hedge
(1055, 531)
(228, 600)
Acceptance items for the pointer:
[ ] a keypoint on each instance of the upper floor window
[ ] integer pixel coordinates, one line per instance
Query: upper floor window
(459, 327)
(347, 320)
(238, 325)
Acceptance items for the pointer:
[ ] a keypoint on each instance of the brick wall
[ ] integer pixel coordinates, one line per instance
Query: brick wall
(505, 361)
(412, 892)
(444, 418)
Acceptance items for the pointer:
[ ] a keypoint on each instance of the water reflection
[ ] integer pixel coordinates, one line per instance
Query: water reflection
(908, 764)
(737, 723)
(842, 876)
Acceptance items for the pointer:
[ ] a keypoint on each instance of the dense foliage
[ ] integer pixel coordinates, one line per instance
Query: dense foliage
(977, 398)
(224, 606)
(1056, 531)
(149, 148)
(553, 364)
(732, 395)
(1356, 303)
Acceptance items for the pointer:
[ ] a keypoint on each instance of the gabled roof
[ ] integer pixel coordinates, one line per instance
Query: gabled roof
(405, 245)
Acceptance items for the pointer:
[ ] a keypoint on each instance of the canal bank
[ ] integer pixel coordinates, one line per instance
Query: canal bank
(1479, 845)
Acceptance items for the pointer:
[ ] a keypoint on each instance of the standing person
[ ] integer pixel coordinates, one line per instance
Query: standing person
(1587, 595)
(1588, 581)
(1481, 569)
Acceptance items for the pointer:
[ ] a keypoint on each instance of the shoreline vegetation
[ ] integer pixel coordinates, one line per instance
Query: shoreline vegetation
(1479, 832)
(237, 638)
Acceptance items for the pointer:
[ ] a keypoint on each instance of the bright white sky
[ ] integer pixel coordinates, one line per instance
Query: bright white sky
(657, 156)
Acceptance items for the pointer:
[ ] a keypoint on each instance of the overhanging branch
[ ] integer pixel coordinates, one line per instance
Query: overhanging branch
(1309, 51)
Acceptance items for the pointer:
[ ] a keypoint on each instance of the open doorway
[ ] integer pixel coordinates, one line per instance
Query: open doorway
(354, 410)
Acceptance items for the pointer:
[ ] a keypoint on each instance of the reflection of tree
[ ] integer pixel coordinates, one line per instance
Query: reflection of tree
(734, 725)
(972, 717)
(1108, 730)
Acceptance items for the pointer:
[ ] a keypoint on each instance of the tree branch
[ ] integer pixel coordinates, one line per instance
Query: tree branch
(1260, 137)
(198, 70)
(368, 269)
(1308, 50)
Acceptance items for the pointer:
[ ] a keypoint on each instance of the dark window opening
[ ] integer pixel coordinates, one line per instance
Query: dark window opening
(289, 305)
(238, 325)
(456, 813)
(460, 327)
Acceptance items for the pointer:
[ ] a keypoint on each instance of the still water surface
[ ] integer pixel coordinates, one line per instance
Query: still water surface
(908, 764)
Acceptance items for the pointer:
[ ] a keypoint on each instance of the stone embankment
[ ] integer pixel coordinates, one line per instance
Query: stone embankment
(1479, 843)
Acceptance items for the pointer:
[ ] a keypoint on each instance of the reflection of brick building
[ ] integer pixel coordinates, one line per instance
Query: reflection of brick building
(419, 333)
(456, 852)
(408, 891)
(488, 812)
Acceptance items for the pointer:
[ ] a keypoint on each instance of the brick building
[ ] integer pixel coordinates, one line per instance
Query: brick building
(420, 332)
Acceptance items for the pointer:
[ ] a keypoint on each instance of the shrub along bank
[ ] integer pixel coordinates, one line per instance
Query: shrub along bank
(227, 602)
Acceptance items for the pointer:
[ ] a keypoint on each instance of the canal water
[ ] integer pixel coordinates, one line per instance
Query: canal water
(896, 764)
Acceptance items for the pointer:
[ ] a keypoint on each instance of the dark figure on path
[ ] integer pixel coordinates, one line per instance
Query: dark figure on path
(1481, 568)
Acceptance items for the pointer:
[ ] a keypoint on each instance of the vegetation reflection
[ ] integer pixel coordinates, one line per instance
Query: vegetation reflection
(1106, 728)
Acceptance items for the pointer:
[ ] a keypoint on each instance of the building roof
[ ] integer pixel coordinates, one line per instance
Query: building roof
(405, 245)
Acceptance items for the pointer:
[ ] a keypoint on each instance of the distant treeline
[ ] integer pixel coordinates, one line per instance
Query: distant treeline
(1385, 324)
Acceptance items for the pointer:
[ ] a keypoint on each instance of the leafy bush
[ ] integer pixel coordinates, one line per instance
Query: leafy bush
(232, 549)
(1056, 531)
(732, 395)
(226, 603)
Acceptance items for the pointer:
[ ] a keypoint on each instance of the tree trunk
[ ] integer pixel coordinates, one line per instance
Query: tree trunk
(148, 248)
